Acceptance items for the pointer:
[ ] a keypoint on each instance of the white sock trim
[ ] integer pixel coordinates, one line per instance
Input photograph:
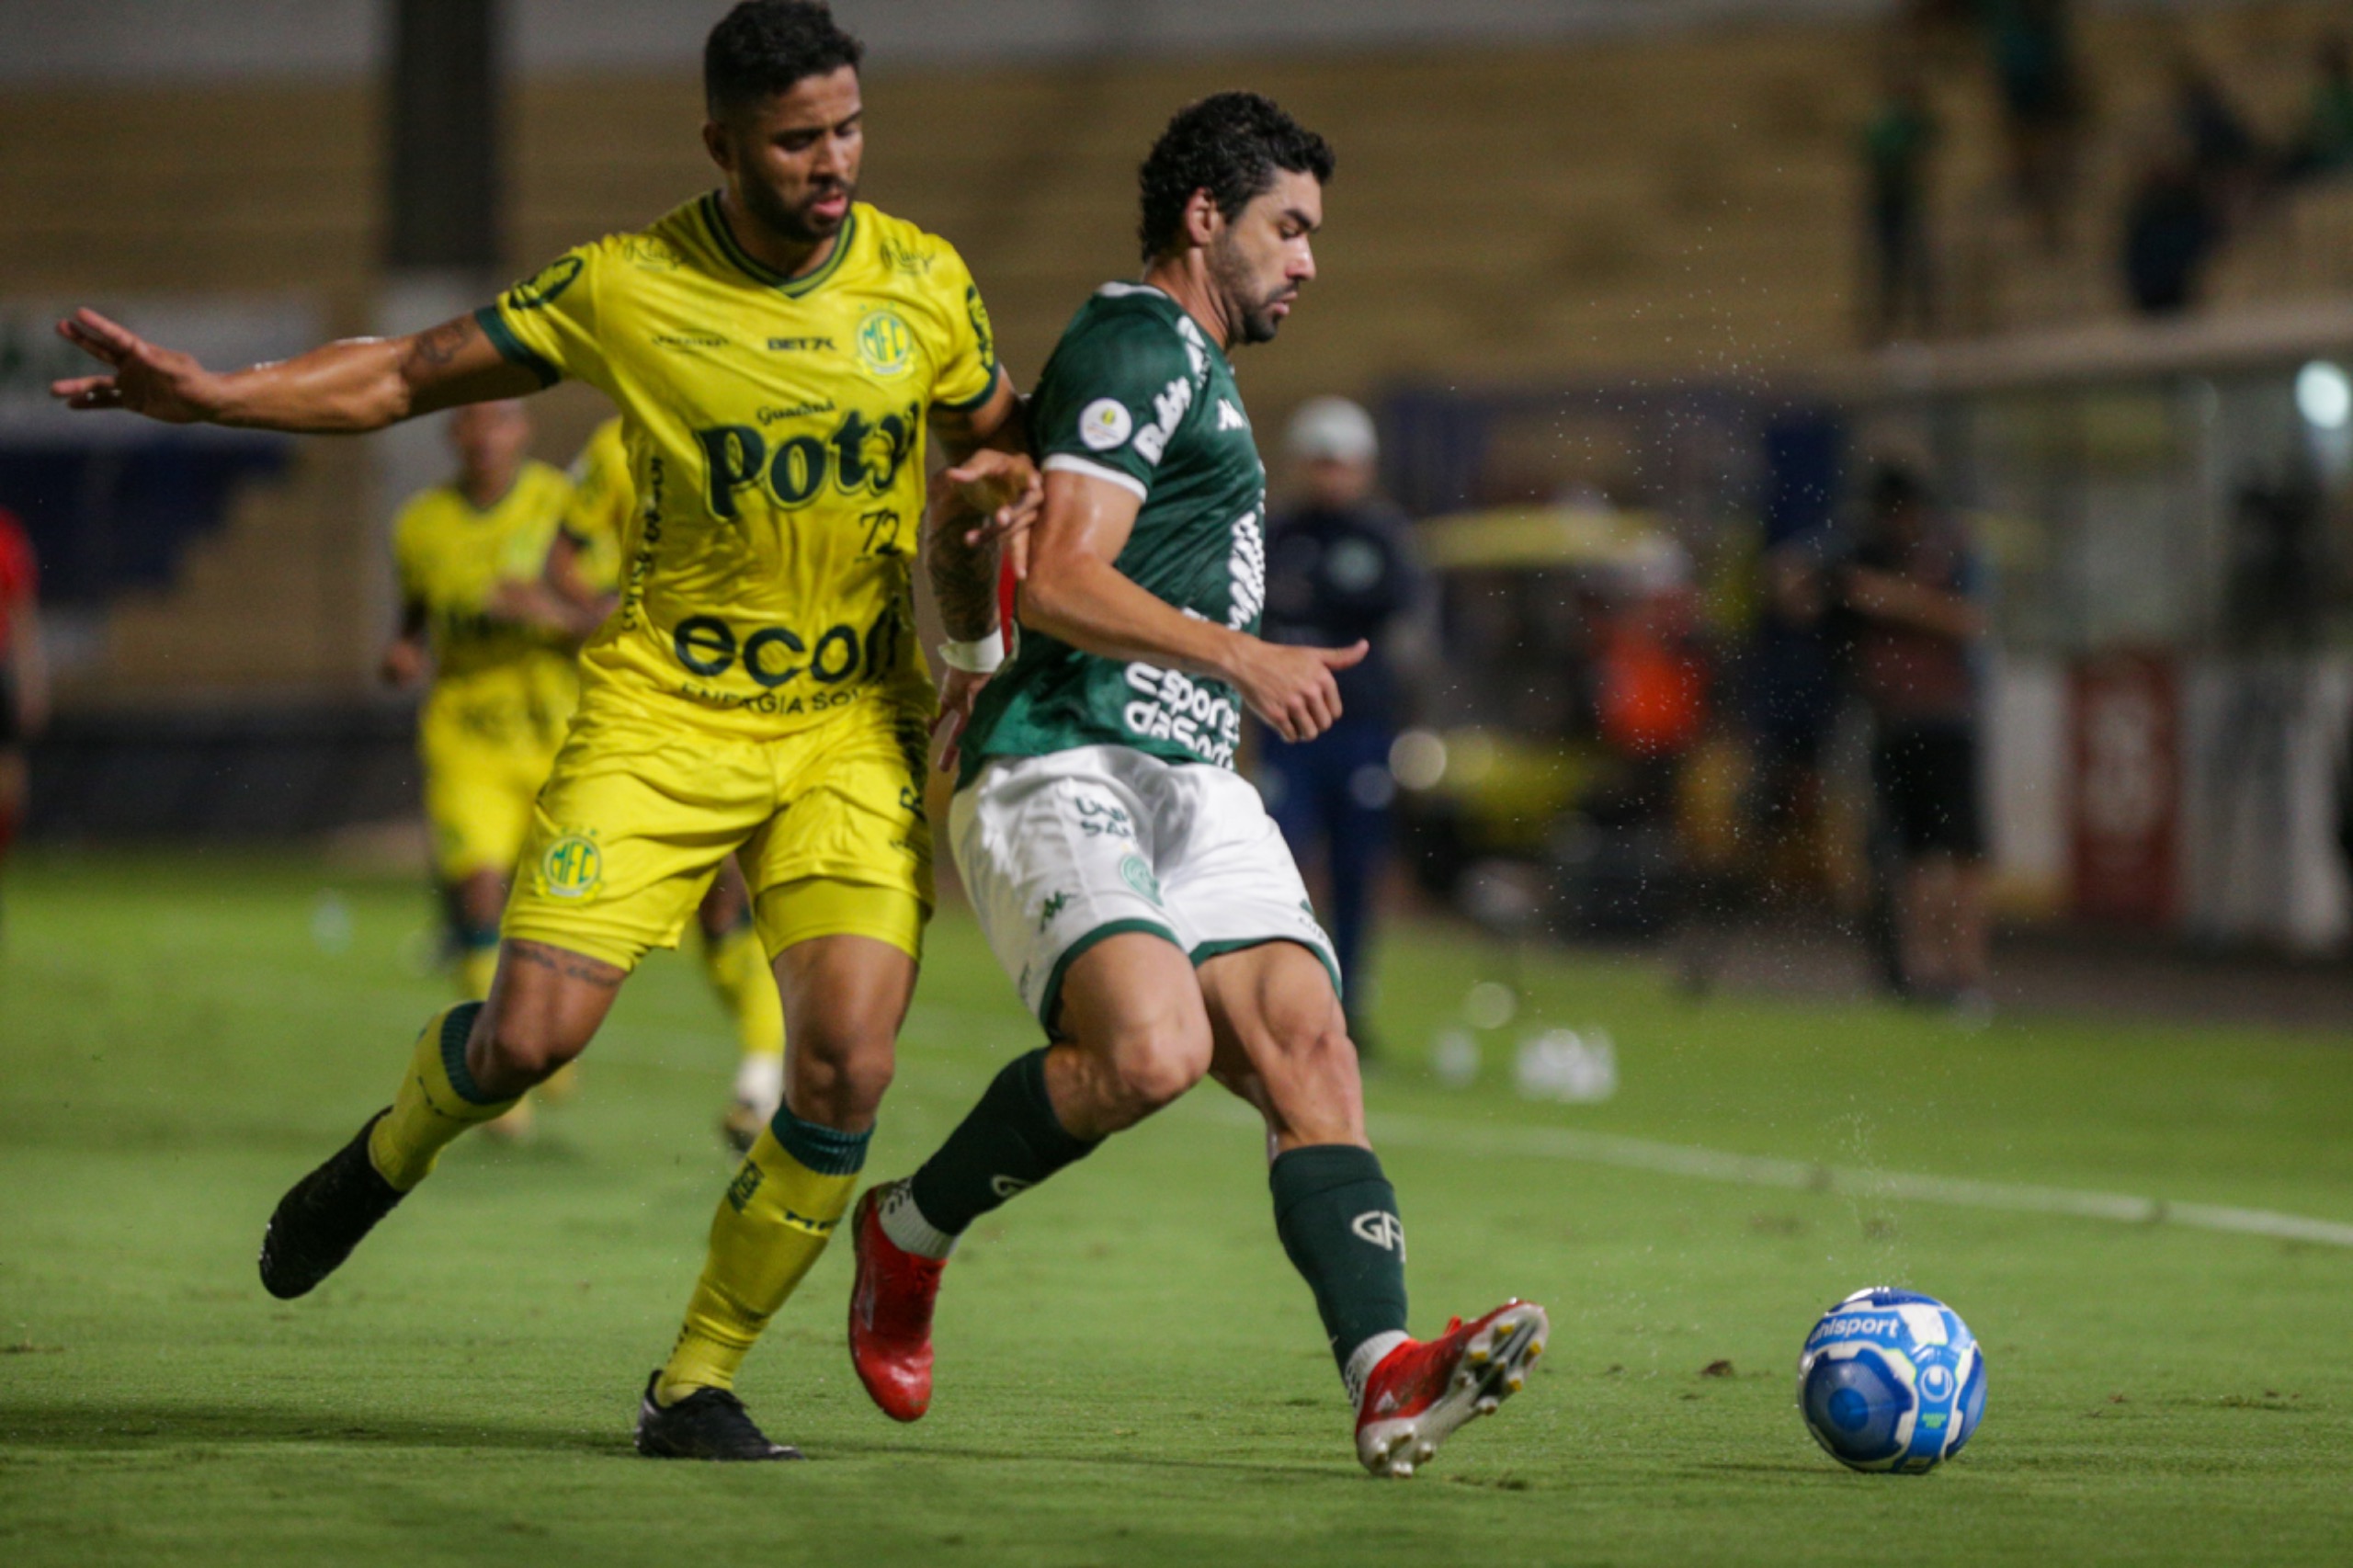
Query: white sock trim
(1363, 1360)
(906, 1227)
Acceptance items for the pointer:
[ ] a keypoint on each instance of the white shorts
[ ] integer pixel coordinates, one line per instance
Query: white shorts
(1061, 851)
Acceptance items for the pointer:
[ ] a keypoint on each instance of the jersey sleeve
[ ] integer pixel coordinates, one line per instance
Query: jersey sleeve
(547, 323)
(968, 368)
(1111, 396)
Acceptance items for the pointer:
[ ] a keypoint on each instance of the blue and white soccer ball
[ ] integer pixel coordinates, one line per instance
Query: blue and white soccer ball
(1890, 1381)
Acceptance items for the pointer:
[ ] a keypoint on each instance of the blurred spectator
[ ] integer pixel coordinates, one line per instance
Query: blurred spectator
(2324, 145)
(1909, 587)
(2031, 44)
(1340, 568)
(2170, 234)
(1897, 144)
(2344, 800)
(24, 674)
(1793, 691)
(2222, 153)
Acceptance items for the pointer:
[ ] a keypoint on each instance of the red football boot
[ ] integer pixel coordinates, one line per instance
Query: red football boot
(889, 1315)
(1422, 1391)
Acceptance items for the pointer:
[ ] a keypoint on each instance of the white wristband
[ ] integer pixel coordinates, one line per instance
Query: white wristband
(980, 656)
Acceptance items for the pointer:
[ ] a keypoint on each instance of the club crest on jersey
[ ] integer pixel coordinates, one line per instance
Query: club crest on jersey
(571, 867)
(1104, 423)
(885, 347)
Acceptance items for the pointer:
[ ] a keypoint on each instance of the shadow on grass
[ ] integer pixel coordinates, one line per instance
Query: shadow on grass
(151, 1426)
(831, 1447)
(87, 1425)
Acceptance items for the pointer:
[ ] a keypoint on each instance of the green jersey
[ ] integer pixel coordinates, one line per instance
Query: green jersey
(1136, 394)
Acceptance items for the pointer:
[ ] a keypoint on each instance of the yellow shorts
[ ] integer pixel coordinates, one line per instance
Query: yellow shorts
(478, 794)
(828, 825)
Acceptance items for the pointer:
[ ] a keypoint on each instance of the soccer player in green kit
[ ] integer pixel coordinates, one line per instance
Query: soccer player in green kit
(1127, 878)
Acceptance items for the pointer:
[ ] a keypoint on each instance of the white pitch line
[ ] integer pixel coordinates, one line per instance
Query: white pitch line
(1759, 1170)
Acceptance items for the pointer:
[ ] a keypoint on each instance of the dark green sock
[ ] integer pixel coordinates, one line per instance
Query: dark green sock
(1338, 1217)
(1010, 1141)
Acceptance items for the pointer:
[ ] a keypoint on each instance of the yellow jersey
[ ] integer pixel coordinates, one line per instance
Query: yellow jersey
(491, 677)
(775, 429)
(603, 496)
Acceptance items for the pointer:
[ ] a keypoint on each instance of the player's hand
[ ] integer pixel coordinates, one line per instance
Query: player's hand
(1292, 689)
(403, 665)
(1006, 490)
(160, 383)
(958, 688)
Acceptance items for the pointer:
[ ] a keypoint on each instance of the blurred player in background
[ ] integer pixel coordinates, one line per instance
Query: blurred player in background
(1341, 570)
(1910, 589)
(778, 351)
(498, 651)
(585, 566)
(24, 676)
(1132, 884)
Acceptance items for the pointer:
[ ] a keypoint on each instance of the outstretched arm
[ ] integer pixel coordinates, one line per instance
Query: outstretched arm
(358, 384)
(1076, 593)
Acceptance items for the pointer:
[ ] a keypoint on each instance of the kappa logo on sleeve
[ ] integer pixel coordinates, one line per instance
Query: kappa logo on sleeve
(540, 291)
(1105, 424)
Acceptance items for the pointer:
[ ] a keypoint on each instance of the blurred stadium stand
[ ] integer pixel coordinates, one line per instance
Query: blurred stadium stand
(1574, 205)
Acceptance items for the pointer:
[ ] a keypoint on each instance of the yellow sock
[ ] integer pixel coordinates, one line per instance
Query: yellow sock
(779, 1214)
(737, 967)
(435, 1103)
(476, 968)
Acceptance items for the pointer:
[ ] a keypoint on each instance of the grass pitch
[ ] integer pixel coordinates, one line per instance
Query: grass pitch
(1129, 1370)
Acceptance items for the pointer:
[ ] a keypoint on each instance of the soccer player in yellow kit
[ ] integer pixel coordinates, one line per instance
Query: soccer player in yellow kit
(499, 648)
(583, 567)
(778, 351)
(503, 683)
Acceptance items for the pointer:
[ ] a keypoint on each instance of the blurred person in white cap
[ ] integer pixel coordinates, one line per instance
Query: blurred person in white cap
(1340, 567)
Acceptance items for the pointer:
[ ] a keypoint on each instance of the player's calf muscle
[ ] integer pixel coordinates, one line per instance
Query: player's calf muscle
(1283, 1044)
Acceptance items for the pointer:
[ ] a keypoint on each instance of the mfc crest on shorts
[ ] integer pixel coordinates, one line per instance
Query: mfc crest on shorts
(1060, 851)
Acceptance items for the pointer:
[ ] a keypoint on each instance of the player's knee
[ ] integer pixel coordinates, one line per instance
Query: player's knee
(839, 1073)
(477, 903)
(1154, 1067)
(520, 1050)
(859, 1083)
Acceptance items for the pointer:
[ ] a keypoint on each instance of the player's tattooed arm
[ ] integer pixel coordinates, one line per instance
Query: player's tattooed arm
(354, 385)
(995, 492)
(963, 581)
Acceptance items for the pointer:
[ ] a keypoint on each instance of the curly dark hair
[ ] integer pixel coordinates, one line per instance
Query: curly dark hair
(762, 47)
(1228, 144)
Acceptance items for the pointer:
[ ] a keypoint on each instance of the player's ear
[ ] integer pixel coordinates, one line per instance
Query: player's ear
(719, 144)
(1202, 220)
